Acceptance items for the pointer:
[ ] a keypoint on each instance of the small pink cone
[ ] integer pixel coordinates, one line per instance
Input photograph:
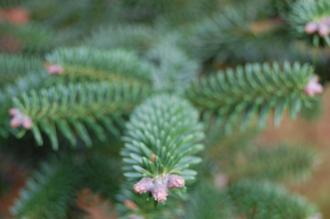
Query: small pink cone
(27, 123)
(18, 119)
(159, 187)
(15, 122)
(55, 69)
(144, 185)
(175, 181)
(313, 87)
(311, 27)
(160, 191)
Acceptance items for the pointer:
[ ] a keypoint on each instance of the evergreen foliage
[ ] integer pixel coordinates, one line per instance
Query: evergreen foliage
(9, 91)
(266, 200)
(100, 65)
(49, 192)
(162, 137)
(154, 106)
(70, 109)
(237, 95)
(304, 13)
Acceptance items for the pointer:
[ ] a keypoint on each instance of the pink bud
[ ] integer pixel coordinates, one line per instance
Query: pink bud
(160, 192)
(311, 27)
(27, 123)
(175, 181)
(19, 119)
(313, 86)
(158, 187)
(144, 185)
(15, 122)
(55, 69)
(324, 30)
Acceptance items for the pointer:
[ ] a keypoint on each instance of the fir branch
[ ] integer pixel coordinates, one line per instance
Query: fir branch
(259, 200)
(48, 194)
(18, 74)
(238, 34)
(242, 93)
(34, 80)
(72, 110)
(172, 69)
(310, 19)
(85, 93)
(162, 137)
(30, 81)
(99, 65)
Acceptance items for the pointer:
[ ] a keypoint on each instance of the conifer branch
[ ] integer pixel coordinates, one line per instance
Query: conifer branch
(241, 94)
(99, 65)
(162, 137)
(310, 19)
(261, 200)
(49, 192)
(76, 110)
(237, 35)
